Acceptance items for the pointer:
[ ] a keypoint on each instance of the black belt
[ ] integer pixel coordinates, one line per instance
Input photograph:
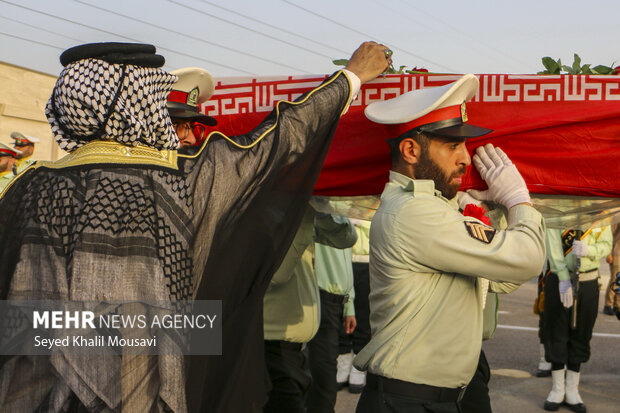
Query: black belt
(418, 391)
(289, 345)
(333, 298)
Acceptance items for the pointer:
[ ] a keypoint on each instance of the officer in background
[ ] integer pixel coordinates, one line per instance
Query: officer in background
(426, 257)
(351, 344)
(572, 256)
(612, 299)
(8, 156)
(292, 313)
(25, 145)
(194, 87)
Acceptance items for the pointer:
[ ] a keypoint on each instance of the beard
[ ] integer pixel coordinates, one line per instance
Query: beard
(426, 168)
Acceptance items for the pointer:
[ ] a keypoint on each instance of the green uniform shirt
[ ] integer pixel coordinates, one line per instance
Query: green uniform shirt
(291, 309)
(426, 304)
(361, 248)
(599, 242)
(5, 178)
(21, 164)
(334, 272)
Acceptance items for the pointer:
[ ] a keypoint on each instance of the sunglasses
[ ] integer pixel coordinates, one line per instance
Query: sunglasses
(198, 129)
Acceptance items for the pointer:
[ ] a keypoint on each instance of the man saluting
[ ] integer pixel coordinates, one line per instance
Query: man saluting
(425, 256)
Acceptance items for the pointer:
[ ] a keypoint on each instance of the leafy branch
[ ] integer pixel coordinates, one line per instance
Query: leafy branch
(391, 70)
(555, 67)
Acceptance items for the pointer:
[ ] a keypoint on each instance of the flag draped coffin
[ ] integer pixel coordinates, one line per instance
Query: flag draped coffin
(562, 132)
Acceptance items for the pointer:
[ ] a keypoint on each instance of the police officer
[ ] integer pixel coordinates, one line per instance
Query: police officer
(8, 156)
(426, 257)
(25, 145)
(577, 256)
(194, 87)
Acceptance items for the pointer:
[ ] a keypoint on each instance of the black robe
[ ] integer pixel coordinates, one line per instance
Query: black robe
(216, 227)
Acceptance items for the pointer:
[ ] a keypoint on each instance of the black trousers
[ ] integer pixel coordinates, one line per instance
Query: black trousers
(361, 335)
(476, 398)
(375, 401)
(287, 365)
(564, 345)
(323, 352)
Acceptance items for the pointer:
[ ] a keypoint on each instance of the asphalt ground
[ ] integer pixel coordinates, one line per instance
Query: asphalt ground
(513, 355)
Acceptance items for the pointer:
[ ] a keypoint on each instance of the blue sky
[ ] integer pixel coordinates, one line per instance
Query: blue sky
(282, 37)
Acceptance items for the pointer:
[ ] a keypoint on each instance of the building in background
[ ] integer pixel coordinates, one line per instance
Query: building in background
(23, 95)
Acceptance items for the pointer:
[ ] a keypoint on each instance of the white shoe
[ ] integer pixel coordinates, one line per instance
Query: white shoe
(556, 395)
(573, 399)
(344, 362)
(357, 380)
(544, 367)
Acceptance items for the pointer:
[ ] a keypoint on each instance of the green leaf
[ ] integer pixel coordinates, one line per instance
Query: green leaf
(568, 69)
(550, 64)
(576, 63)
(585, 70)
(341, 62)
(602, 70)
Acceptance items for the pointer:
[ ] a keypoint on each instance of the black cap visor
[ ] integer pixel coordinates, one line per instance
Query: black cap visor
(454, 128)
(192, 115)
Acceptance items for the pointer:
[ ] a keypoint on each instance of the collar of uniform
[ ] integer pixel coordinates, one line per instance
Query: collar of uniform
(420, 186)
(417, 186)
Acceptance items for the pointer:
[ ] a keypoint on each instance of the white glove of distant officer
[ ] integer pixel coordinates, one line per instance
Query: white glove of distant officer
(465, 199)
(580, 248)
(506, 186)
(566, 293)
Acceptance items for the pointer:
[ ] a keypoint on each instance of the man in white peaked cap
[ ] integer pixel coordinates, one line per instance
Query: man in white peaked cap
(425, 256)
(7, 161)
(25, 145)
(193, 87)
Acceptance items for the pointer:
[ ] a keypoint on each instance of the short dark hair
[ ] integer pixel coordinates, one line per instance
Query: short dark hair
(420, 137)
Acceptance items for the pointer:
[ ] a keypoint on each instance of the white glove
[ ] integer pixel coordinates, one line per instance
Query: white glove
(580, 248)
(566, 293)
(465, 199)
(506, 185)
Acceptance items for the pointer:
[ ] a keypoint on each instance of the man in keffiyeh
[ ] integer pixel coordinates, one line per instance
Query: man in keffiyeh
(124, 217)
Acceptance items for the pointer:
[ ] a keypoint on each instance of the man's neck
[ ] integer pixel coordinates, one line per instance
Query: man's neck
(406, 170)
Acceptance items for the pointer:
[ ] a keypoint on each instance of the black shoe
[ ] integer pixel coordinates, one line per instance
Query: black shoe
(356, 388)
(551, 406)
(608, 310)
(579, 407)
(543, 373)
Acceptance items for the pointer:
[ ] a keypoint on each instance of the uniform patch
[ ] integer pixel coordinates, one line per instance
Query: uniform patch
(480, 231)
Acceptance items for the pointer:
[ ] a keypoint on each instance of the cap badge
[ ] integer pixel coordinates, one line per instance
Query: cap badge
(463, 112)
(192, 97)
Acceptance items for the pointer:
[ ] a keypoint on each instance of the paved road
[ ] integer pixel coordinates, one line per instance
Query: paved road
(513, 356)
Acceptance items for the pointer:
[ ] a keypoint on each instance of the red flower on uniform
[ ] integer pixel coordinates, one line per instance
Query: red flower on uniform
(421, 69)
(475, 211)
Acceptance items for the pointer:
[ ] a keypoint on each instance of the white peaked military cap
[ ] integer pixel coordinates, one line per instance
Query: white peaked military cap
(20, 137)
(6, 150)
(437, 110)
(194, 87)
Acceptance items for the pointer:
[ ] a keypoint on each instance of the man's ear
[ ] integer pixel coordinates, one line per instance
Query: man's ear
(410, 151)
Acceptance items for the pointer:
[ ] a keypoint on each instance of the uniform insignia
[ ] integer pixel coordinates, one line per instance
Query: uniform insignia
(568, 237)
(480, 231)
(463, 112)
(192, 97)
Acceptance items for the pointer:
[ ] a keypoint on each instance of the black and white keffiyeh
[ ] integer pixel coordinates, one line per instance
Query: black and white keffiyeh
(93, 99)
